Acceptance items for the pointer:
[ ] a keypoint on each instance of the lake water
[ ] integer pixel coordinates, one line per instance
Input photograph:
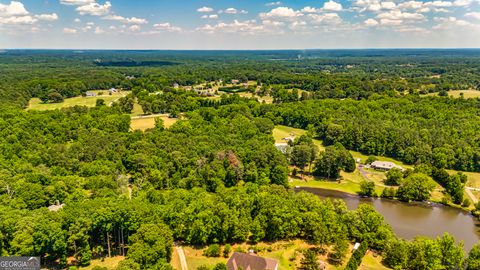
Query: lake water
(410, 220)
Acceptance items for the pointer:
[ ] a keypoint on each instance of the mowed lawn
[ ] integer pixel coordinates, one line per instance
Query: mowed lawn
(145, 122)
(349, 182)
(36, 104)
(110, 263)
(456, 93)
(288, 254)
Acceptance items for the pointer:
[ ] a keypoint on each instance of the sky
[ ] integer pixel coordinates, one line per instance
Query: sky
(240, 24)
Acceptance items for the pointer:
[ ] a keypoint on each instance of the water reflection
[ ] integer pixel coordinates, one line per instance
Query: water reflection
(411, 220)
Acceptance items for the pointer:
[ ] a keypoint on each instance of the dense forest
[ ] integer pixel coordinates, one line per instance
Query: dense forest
(215, 176)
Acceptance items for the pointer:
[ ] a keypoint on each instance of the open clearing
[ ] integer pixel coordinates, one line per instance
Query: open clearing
(288, 254)
(148, 121)
(36, 104)
(109, 263)
(456, 93)
(349, 182)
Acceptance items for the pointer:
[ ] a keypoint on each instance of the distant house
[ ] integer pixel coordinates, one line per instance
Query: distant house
(384, 165)
(235, 81)
(55, 207)
(91, 94)
(356, 246)
(282, 147)
(250, 262)
(176, 85)
(113, 90)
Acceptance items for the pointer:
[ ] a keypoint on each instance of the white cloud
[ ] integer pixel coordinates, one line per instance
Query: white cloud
(205, 9)
(474, 15)
(327, 18)
(439, 4)
(132, 20)
(281, 12)
(15, 8)
(77, 20)
(390, 22)
(462, 3)
(76, 2)
(370, 22)
(47, 17)
(332, 6)
(231, 11)
(69, 30)
(18, 20)
(246, 27)
(166, 27)
(411, 5)
(309, 9)
(95, 9)
(134, 28)
(399, 15)
(270, 4)
(211, 16)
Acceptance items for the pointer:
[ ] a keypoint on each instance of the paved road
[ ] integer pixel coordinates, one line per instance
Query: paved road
(181, 256)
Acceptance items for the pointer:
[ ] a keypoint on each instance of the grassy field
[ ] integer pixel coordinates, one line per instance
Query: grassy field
(456, 93)
(350, 182)
(288, 254)
(36, 104)
(109, 263)
(145, 122)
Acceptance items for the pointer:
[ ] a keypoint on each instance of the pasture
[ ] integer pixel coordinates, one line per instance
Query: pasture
(148, 121)
(36, 103)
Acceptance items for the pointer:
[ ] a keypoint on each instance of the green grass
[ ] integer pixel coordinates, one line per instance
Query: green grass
(456, 93)
(36, 104)
(148, 121)
(110, 263)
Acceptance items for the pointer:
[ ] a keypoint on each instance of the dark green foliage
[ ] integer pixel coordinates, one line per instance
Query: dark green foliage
(423, 253)
(473, 260)
(389, 193)
(309, 261)
(212, 251)
(429, 130)
(367, 188)
(394, 177)
(357, 257)
(151, 244)
(226, 250)
(340, 249)
(416, 187)
(332, 161)
(220, 266)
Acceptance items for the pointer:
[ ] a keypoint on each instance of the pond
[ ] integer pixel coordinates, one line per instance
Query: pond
(411, 220)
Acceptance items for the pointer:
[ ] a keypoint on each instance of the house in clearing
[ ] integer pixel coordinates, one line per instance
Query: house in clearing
(176, 85)
(55, 207)
(282, 147)
(235, 81)
(250, 262)
(91, 94)
(384, 165)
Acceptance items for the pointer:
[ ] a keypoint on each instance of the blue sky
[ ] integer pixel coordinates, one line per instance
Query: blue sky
(241, 24)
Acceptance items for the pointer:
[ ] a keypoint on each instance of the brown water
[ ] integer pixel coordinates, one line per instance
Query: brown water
(411, 220)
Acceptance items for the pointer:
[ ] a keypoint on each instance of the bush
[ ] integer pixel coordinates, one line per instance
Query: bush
(99, 268)
(466, 202)
(226, 250)
(357, 257)
(212, 251)
(203, 267)
(220, 266)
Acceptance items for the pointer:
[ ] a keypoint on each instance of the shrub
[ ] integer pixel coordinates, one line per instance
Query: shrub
(226, 250)
(212, 251)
